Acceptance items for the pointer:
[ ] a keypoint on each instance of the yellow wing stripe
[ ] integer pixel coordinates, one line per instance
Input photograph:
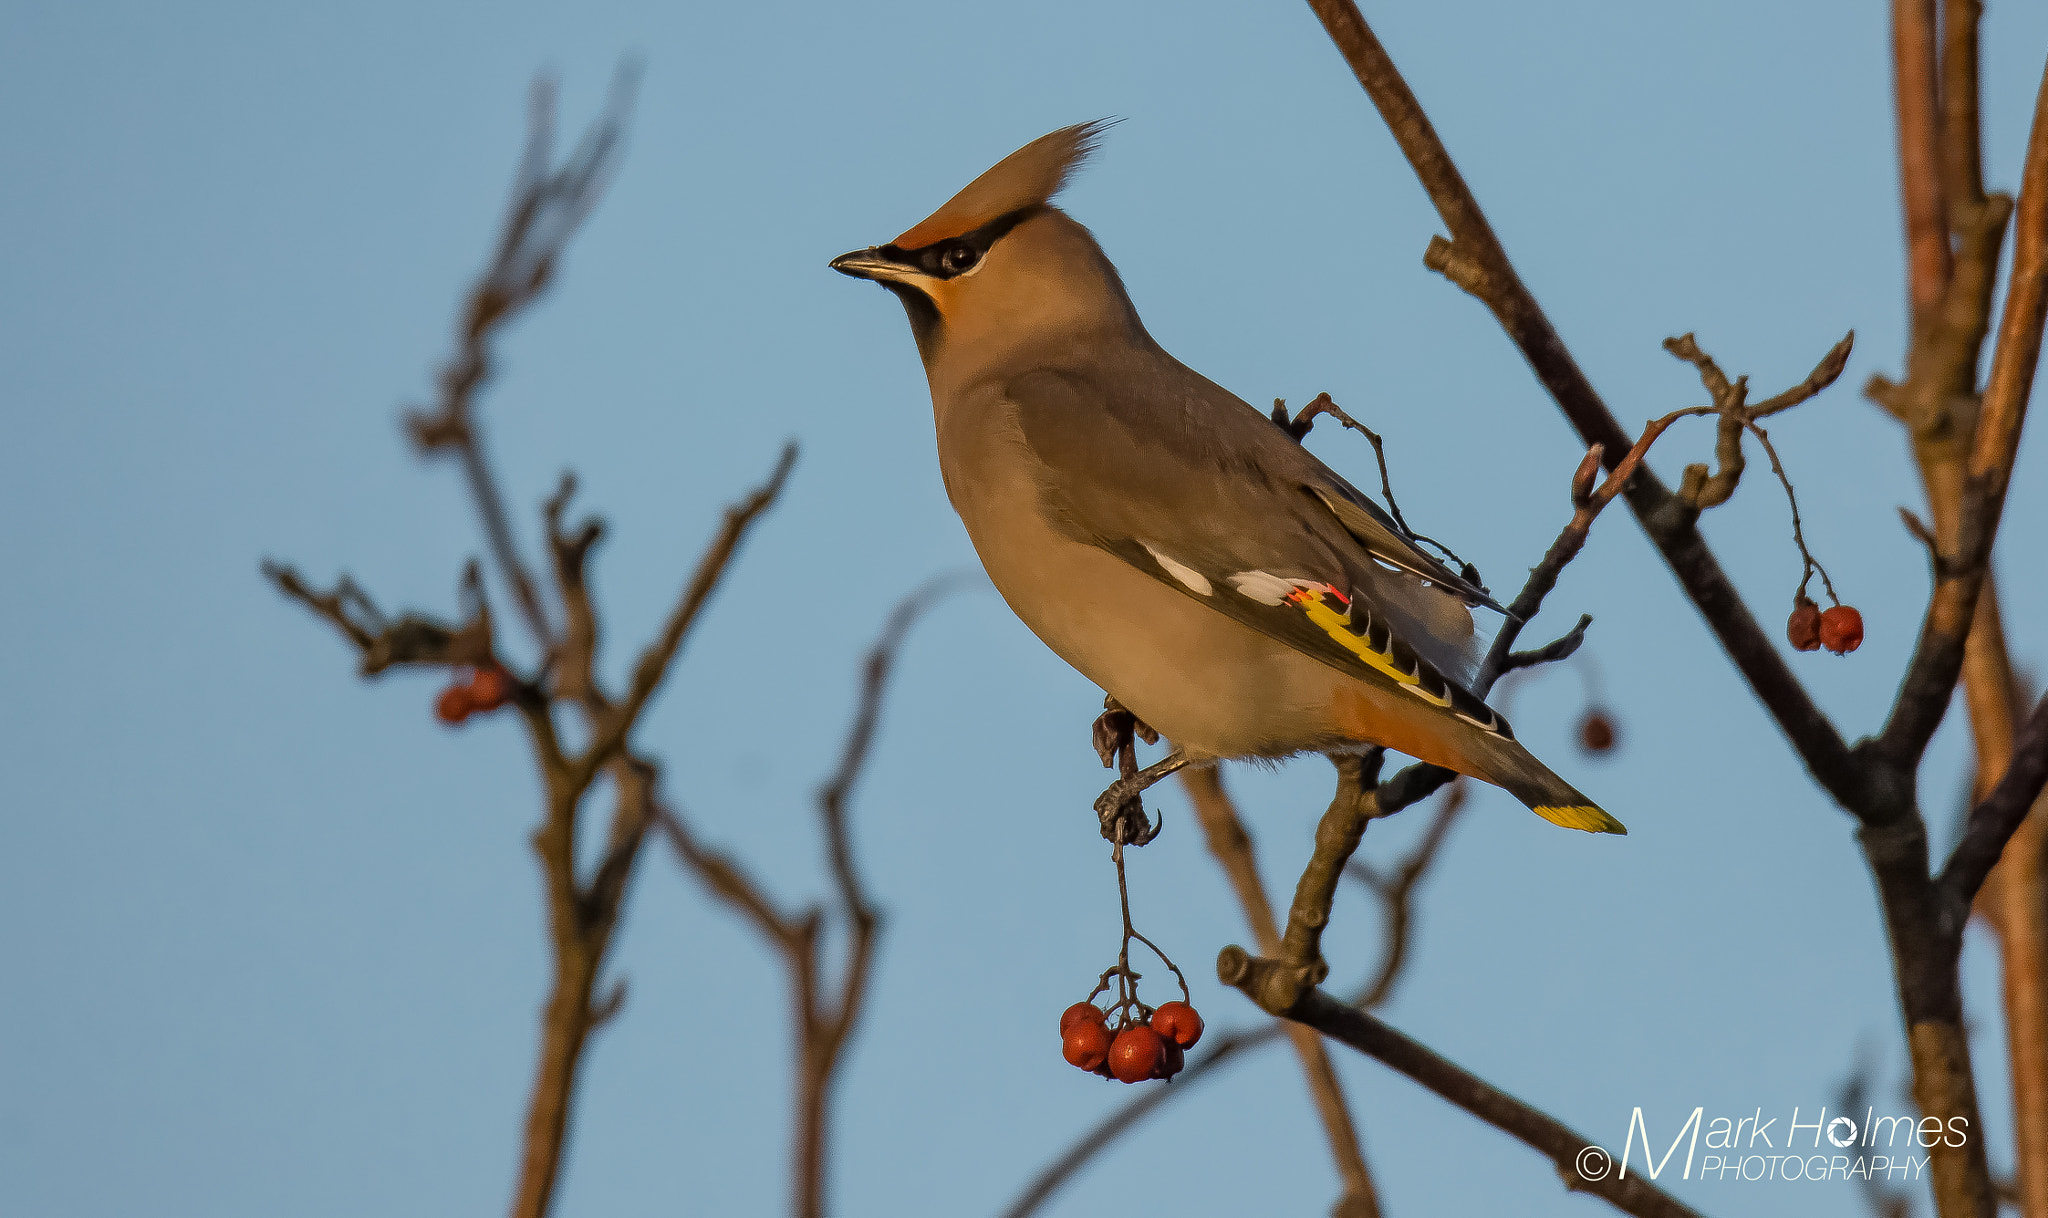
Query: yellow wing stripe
(1336, 626)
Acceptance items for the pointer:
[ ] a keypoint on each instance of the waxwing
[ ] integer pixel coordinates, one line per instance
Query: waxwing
(1179, 548)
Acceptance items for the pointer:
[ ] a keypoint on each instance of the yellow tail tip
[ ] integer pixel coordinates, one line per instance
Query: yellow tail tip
(1583, 816)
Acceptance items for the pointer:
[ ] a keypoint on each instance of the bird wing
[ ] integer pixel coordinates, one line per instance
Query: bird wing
(1198, 490)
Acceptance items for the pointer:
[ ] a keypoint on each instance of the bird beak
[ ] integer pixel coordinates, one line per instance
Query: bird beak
(874, 263)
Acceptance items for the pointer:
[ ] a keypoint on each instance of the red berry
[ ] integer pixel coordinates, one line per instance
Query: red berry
(489, 689)
(453, 706)
(1178, 1022)
(1841, 630)
(1135, 1053)
(1085, 1044)
(1078, 1012)
(1596, 732)
(1171, 1061)
(1802, 629)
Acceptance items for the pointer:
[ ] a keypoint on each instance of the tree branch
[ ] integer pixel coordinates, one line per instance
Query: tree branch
(654, 662)
(1396, 894)
(1938, 656)
(575, 657)
(1232, 846)
(1218, 815)
(1915, 86)
(1998, 815)
(1419, 781)
(1475, 260)
(1536, 1129)
(822, 1022)
(547, 207)
(1227, 1047)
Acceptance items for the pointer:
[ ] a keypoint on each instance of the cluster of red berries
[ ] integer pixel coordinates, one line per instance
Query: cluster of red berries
(486, 690)
(1135, 1052)
(1839, 629)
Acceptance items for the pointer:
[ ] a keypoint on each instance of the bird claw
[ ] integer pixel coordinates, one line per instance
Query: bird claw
(1121, 809)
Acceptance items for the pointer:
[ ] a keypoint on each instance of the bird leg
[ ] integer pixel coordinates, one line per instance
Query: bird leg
(1121, 807)
(1113, 730)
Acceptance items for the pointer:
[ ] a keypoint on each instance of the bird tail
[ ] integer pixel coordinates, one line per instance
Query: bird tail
(1516, 770)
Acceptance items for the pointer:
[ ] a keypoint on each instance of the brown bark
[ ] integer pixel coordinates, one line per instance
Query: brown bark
(1949, 301)
(1568, 1151)
(566, 1023)
(1232, 846)
(1876, 781)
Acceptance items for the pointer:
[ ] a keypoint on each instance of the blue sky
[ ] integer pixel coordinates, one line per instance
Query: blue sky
(274, 938)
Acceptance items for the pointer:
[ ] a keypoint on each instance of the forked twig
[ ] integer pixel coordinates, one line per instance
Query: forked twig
(824, 1014)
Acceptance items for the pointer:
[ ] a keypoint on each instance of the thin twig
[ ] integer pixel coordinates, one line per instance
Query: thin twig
(1231, 844)
(1562, 648)
(1396, 893)
(1893, 835)
(547, 206)
(1224, 1048)
(1475, 260)
(824, 1015)
(711, 566)
(1569, 1151)
(1299, 427)
(1998, 815)
(1218, 815)
(1361, 798)
(1418, 781)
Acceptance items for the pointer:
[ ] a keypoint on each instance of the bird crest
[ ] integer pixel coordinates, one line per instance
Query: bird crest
(1028, 177)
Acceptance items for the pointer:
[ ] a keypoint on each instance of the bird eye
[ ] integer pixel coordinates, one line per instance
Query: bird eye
(959, 258)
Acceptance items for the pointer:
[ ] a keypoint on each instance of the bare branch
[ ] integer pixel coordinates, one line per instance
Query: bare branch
(414, 640)
(1299, 427)
(1492, 278)
(1396, 894)
(1914, 81)
(1550, 1137)
(654, 662)
(1938, 656)
(822, 1023)
(1361, 798)
(1218, 815)
(727, 879)
(1419, 781)
(575, 658)
(858, 908)
(546, 208)
(1925, 536)
(1998, 815)
(1562, 648)
(1824, 374)
(1232, 847)
(1227, 1047)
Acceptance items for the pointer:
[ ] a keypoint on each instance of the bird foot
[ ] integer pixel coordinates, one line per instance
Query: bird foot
(1121, 808)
